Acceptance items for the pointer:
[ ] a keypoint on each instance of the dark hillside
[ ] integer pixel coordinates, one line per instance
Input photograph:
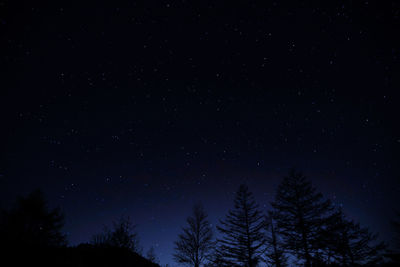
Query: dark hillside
(84, 255)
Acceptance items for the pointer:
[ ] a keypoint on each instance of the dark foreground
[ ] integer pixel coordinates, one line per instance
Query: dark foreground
(83, 256)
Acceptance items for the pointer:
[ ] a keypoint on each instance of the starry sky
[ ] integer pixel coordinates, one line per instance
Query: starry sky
(145, 108)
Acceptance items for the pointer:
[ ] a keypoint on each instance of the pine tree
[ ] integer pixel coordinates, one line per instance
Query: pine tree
(243, 238)
(195, 243)
(275, 255)
(351, 244)
(300, 213)
(216, 259)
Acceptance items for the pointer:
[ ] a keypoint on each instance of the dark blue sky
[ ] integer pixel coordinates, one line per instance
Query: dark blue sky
(145, 109)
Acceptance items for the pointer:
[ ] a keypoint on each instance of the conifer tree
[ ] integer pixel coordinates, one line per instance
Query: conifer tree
(242, 242)
(275, 255)
(216, 259)
(195, 243)
(351, 244)
(300, 213)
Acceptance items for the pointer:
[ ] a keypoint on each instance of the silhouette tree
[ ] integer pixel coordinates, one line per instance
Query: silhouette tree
(194, 244)
(275, 255)
(216, 259)
(396, 228)
(151, 255)
(394, 254)
(122, 235)
(351, 244)
(101, 239)
(242, 231)
(300, 213)
(31, 224)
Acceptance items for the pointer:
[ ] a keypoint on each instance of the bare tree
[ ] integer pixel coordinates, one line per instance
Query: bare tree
(122, 235)
(194, 244)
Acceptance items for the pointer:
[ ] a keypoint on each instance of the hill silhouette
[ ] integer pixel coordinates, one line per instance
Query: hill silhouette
(84, 255)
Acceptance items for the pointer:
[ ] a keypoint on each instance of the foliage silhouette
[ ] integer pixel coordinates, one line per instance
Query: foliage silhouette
(396, 236)
(275, 254)
(243, 240)
(31, 236)
(350, 244)
(31, 224)
(394, 253)
(151, 255)
(194, 244)
(122, 235)
(300, 213)
(302, 228)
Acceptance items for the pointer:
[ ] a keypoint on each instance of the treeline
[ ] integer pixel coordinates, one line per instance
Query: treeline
(302, 228)
(31, 235)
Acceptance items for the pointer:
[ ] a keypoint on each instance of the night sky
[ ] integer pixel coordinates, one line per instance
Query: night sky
(144, 109)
